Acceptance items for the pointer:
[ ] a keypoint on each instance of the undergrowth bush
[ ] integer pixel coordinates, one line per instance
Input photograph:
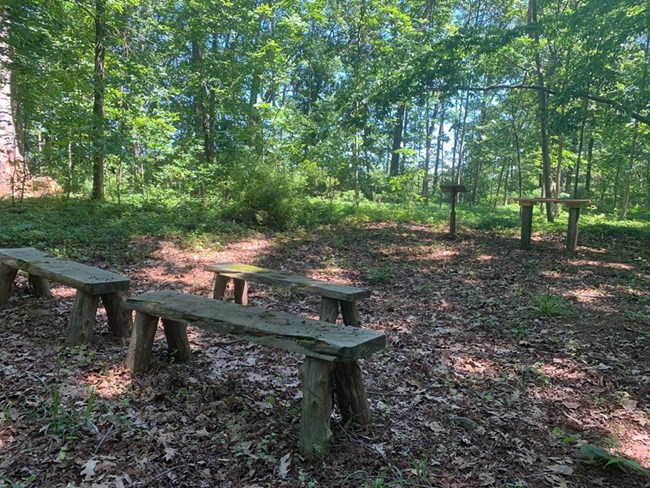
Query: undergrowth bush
(265, 198)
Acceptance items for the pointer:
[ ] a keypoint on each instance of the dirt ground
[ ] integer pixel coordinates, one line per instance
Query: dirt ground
(500, 365)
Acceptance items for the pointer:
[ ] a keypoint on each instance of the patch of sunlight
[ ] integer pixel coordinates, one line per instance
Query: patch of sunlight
(555, 275)
(109, 383)
(470, 364)
(602, 264)
(562, 369)
(485, 257)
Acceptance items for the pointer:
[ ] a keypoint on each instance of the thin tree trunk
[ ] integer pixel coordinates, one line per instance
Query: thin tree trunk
(98, 104)
(628, 172)
(590, 153)
(397, 140)
(515, 136)
(580, 145)
(461, 144)
(441, 135)
(427, 147)
(543, 113)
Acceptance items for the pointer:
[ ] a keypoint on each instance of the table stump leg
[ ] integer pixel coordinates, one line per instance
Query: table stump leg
(40, 286)
(572, 233)
(177, 341)
(315, 433)
(82, 320)
(119, 319)
(7, 277)
(241, 291)
(219, 283)
(526, 225)
(452, 214)
(141, 343)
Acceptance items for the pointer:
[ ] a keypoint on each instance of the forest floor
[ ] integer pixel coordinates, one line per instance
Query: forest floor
(500, 365)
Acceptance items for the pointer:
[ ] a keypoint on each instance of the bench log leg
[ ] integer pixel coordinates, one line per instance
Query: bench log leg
(82, 320)
(315, 433)
(329, 310)
(219, 284)
(40, 286)
(141, 343)
(177, 342)
(526, 226)
(7, 277)
(241, 291)
(351, 393)
(119, 320)
(349, 390)
(349, 313)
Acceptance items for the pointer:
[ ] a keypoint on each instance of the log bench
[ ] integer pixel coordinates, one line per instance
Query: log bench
(333, 295)
(323, 344)
(354, 408)
(91, 284)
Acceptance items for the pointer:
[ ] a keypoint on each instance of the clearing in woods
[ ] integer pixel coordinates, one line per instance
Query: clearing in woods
(500, 365)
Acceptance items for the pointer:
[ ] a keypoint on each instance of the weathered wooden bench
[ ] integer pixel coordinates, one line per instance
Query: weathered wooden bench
(333, 295)
(323, 344)
(347, 374)
(91, 284)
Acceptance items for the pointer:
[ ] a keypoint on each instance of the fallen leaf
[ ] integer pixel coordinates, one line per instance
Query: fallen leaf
(89, 469)
(285, 462)
(560, 469)
(170, 452)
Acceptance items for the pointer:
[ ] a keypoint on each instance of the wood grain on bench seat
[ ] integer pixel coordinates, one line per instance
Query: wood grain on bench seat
(296, 283)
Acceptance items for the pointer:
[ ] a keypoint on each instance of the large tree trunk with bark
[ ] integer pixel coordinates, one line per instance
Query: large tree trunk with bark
(9, 152)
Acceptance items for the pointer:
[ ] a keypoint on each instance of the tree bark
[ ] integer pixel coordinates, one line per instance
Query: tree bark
(543, 112)
(397, 140)
(9, 152)
(98, 104)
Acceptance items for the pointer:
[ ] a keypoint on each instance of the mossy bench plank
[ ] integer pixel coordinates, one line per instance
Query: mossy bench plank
(310, 337)
(296, 283)
(90, 282)
(323, 343)
(88, 279)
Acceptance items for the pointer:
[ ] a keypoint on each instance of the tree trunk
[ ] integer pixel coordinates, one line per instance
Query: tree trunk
(543, 112)
(590, 153)
(427, 148)
(98, 105)
(580, 145)
(441, 134)
(628, 171)
(397, 140)
(9, 152)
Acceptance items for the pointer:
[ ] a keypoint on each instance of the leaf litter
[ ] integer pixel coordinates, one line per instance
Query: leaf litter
(501, 364)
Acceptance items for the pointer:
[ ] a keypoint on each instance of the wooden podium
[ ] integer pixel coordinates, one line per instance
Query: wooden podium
(454, 190)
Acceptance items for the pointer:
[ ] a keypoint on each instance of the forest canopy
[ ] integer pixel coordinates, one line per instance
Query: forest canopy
(255, 104)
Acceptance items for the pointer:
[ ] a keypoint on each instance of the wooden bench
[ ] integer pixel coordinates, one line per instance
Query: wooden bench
(91, 284)
(347, 374)
(526, 206)
(333, 295)
(323, 344)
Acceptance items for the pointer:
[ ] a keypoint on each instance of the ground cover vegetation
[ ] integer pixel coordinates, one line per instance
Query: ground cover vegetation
(505, 368)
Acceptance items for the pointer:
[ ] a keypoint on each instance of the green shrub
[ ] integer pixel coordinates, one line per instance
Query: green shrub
(265, 198)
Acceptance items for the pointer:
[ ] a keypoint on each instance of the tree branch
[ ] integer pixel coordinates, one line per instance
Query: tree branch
(594, 98)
